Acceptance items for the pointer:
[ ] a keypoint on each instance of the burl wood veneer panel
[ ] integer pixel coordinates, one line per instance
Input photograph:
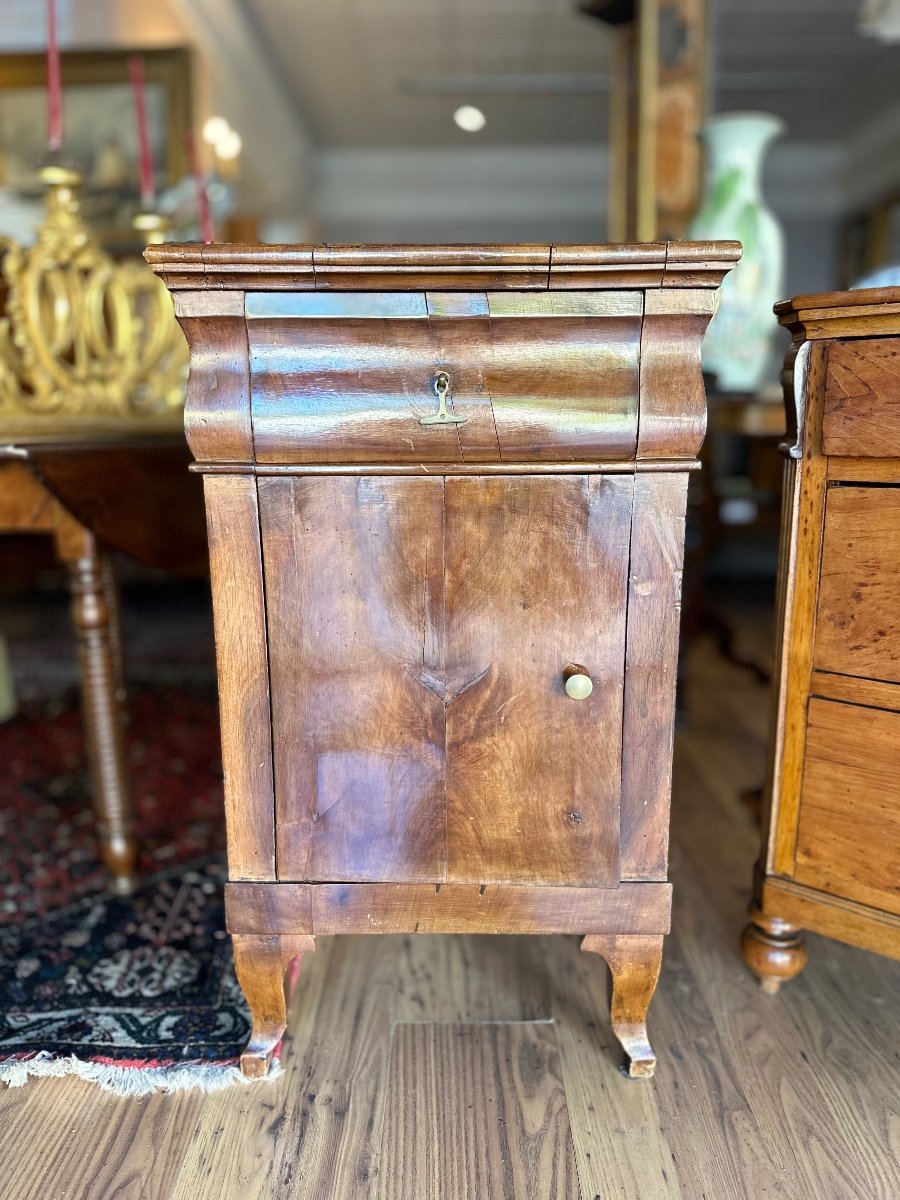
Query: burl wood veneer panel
(862, 399)
(850, 804)
(858, 611)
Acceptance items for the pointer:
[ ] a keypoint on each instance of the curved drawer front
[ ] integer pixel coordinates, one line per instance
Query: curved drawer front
(529, 377)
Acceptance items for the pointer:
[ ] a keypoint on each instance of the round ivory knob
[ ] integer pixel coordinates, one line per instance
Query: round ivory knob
(579, 684)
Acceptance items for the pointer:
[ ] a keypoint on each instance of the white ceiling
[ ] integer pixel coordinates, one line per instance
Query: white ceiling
(368, 73)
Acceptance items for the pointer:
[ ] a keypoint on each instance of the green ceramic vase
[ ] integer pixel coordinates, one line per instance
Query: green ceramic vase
(738, 345)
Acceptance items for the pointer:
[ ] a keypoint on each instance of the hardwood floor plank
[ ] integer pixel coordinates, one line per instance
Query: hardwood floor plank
(66, 1139)
(755, 1097)
(477, 978)
(477, 1110)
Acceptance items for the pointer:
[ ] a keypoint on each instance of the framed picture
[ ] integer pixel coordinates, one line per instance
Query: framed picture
(99, 127)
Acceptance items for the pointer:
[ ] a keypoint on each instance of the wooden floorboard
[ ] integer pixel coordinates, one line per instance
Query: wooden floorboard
(472, 1068)
(477, 1109)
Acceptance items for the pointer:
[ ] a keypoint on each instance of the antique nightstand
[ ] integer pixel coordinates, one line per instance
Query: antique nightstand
(445, 491)
(830, 859)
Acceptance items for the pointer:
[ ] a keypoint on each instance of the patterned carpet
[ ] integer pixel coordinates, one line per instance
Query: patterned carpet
(123, 990)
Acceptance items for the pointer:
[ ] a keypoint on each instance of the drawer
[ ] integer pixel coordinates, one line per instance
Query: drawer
(858, 607)
(848, 838)
(861, 416)
(531, 376)
(422, 728)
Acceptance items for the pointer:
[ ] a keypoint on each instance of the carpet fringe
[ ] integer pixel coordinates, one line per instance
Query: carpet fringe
(132, 1081)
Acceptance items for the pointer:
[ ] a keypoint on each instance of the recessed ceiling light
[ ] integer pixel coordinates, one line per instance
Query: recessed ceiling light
(470, 118)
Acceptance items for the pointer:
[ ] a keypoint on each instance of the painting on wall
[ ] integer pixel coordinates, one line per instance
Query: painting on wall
(99, 128)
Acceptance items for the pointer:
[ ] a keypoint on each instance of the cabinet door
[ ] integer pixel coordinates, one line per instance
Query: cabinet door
(535, 580)
(353, 599)
(418, 634)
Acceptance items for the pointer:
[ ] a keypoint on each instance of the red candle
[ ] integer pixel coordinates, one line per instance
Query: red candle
(54, 88)
(204, 215)
(136, 67)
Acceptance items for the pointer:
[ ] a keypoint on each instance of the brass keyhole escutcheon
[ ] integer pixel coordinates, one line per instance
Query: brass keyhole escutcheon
(578, 682)
(443, 391)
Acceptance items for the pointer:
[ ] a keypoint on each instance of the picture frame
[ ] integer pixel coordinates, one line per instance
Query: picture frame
(99, 128)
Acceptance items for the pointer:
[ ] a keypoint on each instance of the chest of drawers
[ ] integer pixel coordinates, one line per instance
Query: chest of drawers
(831, 845)
(445, 494)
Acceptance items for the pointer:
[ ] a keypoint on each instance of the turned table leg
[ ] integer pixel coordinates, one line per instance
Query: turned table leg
(634, 962)
(772, 949)
(113, 601)
(261, 963)
(100, 655)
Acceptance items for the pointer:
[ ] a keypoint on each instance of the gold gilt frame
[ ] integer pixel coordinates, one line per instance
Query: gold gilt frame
(169, 67)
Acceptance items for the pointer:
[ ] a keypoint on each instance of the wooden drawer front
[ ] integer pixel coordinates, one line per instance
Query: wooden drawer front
(862, 399)
(858, 614)
(537, 377)
(418, 632)
(848, 839)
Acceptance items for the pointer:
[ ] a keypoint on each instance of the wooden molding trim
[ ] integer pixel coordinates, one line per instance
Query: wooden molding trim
(326, 908)
(448, 268)
(844, 920)
(646, 466)
(859, 313)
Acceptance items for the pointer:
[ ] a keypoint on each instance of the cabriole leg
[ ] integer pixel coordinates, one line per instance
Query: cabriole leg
(261, 963)
(634, 962)
(772, 949)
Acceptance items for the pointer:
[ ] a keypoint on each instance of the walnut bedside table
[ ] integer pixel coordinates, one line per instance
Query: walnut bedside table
(445, 493)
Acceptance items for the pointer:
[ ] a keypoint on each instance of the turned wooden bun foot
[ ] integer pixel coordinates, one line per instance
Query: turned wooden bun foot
(773, 950)
(634, 962)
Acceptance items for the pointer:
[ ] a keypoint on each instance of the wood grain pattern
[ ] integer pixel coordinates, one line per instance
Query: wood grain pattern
(515, 1143)
(448, 268)
(834, 916)
(136, 495)
(866, 312)
(655, 466)
(858, 612)
(871, 693)
(346, 268)
(862, 399)
(849, 826)
(289, 908)
(803, 510)
(830, 826)
(527, 766)
(654, 611)
(386, 595)
(217, 420)
(353, 579)
(735, 1108)
(355, 389)
(261, 964)
(863, 470)
(634, 964)
(241, 662)
(422, 622)
(673, 399)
